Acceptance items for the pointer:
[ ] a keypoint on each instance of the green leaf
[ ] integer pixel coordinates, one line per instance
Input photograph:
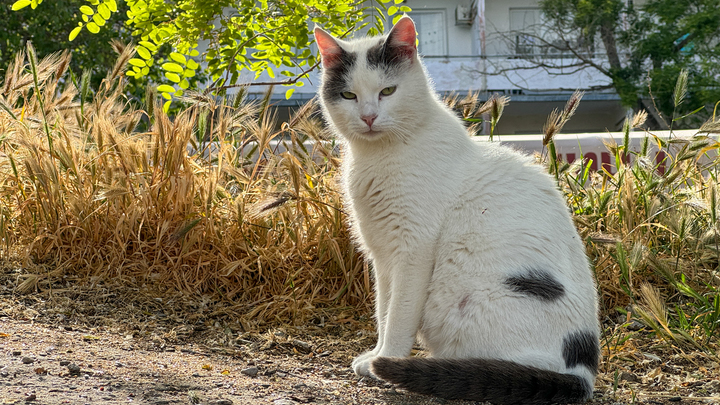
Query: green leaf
(166, 96)
(396, 18)
(99, 20)
(289, 93)
(166, 88)
(74, 33)
(87, 10)
(191, 64)
(166, 106)
(137, 62)
(173, 77)
(392, 10)
(92, 27)
(143, 52)
(104, 11)
(194, 52)
(172, 67)
(178, 57)
(112, 5)
(184, 84)
(20, 4)
(149, 45)
(405, 9)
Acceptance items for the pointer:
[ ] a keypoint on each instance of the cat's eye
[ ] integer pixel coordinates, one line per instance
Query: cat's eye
(388, 90)
(347, 95)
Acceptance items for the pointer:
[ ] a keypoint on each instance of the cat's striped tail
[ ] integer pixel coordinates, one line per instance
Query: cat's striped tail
(496, 381)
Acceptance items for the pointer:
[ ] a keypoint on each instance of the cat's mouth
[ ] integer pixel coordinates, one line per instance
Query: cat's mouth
(371, 133)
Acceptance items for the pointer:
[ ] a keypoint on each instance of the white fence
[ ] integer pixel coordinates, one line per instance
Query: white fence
(591, 146)
(569, 147)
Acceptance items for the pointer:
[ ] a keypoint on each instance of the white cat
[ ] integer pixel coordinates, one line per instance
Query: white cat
(472, 245)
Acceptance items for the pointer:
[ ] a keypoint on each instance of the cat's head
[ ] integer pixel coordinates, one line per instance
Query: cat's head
(373, 88)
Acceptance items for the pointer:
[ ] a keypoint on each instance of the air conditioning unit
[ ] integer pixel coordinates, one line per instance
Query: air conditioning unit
(463, 14)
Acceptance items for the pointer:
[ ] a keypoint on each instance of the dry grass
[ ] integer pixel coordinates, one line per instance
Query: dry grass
(86, 197)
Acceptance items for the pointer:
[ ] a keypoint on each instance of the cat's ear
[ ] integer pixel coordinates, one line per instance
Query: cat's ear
(330, 50)
(402, 37)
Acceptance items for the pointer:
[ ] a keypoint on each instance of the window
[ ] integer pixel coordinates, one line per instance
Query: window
(525, 26)
(430, 26)
(531, 36)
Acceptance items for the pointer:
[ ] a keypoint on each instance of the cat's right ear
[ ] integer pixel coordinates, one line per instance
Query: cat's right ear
(330, 50)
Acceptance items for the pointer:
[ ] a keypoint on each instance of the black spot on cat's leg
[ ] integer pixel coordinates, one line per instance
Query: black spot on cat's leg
(335, 81)
(581, 348)
(536, 283)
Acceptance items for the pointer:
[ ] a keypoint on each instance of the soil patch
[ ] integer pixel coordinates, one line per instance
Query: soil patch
(69, 347)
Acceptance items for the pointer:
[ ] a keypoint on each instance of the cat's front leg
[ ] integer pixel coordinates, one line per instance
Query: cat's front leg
(382, 294)
(409, 286)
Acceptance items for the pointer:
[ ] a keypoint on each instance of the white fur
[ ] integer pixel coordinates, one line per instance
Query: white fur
(445, 221)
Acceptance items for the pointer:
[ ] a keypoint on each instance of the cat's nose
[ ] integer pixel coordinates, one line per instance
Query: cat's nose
(369, 119)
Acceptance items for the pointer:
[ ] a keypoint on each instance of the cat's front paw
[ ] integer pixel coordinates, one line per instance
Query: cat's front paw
(361, 365)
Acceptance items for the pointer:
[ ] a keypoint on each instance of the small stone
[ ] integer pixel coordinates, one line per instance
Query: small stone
(284, 401)
(629, 377)
(64, 363)
(250, 371)
(30, 397)
(675, 399)
(73, 368)
(16, 352)
(635, 326)
(302, 346)
(221, 402)
(28, 360)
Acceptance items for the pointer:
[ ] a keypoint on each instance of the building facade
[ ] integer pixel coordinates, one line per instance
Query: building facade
(483, 46)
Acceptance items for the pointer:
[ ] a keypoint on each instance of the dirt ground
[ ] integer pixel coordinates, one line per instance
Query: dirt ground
(105, 347)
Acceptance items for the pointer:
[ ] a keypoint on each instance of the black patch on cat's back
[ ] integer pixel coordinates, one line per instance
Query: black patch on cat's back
(537, 284)
(335, 80)
(581, 348)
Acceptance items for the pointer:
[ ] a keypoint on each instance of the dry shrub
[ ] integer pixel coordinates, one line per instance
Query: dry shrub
(90, 197)
(87, 195)
(653, 236)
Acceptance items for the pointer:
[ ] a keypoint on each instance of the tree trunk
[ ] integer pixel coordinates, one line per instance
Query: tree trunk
(607, 33)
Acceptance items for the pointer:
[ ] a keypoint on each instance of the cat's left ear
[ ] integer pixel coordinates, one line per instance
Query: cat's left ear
(402, 37)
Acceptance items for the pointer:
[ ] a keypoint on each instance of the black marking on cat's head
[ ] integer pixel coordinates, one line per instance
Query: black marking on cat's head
(335, 78)
(537, 284)
(581, 348)
(395, 50)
